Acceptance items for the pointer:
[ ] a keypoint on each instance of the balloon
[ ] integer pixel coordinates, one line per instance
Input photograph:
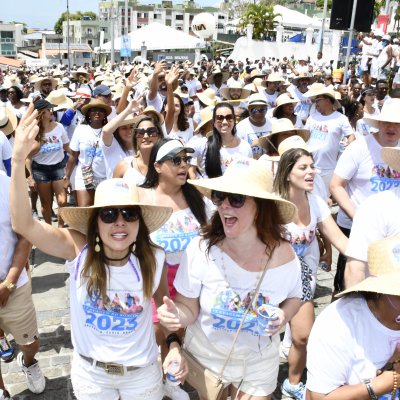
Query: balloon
(203, 25)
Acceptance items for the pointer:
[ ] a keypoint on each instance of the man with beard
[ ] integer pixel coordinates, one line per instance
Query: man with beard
(45, 85)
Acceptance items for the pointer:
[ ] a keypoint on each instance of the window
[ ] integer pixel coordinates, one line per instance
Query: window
(7, 35)
(179, 17)
(7, 47)
(86, 55)
(157, 16)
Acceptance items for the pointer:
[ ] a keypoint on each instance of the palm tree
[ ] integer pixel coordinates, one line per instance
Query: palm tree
(261, 15)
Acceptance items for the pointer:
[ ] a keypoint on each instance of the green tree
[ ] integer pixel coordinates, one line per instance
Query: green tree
(73, 17)
(320, 4)
(261, 15)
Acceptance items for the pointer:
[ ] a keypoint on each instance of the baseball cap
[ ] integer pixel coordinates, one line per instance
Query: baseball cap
(101, 90)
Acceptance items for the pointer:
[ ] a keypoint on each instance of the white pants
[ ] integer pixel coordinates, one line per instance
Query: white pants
(93, 383)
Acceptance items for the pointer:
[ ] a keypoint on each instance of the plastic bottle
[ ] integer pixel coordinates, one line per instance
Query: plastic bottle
(173, 367)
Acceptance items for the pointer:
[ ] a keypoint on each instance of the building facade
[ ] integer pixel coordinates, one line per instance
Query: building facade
(10, 39)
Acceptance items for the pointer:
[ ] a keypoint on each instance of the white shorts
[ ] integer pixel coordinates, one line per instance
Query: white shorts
(259, 370)
(93, 383)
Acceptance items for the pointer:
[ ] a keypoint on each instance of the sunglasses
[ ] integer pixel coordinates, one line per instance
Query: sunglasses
(177, 160)
(110, 215)
(229, 118)
(258, 110)
(235, 200)
(151, 132)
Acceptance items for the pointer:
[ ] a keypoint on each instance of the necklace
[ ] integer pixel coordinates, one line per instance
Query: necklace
(397, 319)
(232, 143)
(117, 259)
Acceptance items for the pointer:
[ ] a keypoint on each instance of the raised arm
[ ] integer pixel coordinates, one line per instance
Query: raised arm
(130, 82)
(51, 240)
(153, 86)
(170, 79)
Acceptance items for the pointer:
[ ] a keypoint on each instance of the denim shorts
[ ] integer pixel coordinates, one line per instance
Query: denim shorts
(48, 173)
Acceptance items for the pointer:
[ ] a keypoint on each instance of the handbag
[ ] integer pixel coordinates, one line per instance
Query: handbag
(207, 383)
(87, 172)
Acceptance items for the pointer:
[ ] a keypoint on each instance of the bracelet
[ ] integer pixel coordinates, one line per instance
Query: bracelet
(371, 392)
(172, 337)
(394, 385)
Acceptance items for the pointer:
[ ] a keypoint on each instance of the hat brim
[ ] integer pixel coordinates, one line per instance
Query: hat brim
(88, 106)
(225, 77)
(54, 83)
(77, 217)
(275, 110)
(201, 124)
(391, 156)
(373, 120)
(207, 101)
(287, 210)
(11, 124)
(225, 93)
(312, 96)
(68, 103)
(263, 141)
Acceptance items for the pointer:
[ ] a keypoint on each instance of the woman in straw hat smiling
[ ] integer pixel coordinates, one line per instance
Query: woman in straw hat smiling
(354, 346)
(294, 181)
(285, 105)
(222, 275)
(115, 270)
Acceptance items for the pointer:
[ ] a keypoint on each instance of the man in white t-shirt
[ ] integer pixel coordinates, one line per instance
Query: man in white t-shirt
(297, 90)
(271, 90)
(17, 312)
(155, 96)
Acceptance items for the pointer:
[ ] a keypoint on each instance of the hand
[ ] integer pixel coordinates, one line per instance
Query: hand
(172, 76)
(67, 184)
(175, 355)
(79, 103)
(159, 67)
(275, 326)
(25, 135)
(32, 184)
(168, 315)
(132, 79)
(327, 257)
(134, 105)
(4, 295)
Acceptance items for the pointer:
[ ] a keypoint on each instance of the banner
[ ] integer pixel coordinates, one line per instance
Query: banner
(383, 22)
(126, 50)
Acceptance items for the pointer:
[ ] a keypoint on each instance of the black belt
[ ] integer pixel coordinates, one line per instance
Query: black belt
(110, 368)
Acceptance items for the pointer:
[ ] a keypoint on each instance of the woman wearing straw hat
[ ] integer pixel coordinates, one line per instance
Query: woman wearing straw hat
(115, 270)
(240, 262)
(86, 149)
(361, 172)
(294, 182)
(166, 184)
(354, 346)
(285, 105)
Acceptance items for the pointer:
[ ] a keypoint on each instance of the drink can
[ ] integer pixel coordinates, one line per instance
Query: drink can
(265, 314)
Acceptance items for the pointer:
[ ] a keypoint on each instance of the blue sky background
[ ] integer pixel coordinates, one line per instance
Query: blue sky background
(44, 13)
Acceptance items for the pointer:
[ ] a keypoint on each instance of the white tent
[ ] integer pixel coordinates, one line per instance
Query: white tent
(156, 36)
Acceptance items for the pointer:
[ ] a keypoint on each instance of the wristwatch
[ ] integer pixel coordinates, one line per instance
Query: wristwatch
(10, 286)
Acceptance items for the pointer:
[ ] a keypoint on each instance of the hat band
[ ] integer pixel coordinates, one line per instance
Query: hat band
(3, 126)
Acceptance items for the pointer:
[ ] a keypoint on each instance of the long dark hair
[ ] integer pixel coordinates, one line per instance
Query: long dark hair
(140, 119)
(214, 143)
(18, 92)
(192, 196)
(183, 122)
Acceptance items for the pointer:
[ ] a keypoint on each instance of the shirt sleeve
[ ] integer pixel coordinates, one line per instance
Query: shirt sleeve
(346, 127)
(322, 209)
(64, 135)
(6, 150)
(74, 143)
(348, 162)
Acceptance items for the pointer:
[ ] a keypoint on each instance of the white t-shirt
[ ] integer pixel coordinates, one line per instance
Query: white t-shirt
(303, 107)
(113, 154)
(76, 120)
(227, 154)
(8, 237)
(303, 239)
(223, 303)
(376, 218)
(157, 102)
(347, 344)
(362, 166)
(270, 98)
(250, 133)
(52, 148)
(326, 133)
(119, 328)
(185, 135)
(193, 86)
(19, 112)
(5, 150)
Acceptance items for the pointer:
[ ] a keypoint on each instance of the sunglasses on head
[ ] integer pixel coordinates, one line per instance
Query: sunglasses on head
(177, 160)
(229, 117)
(258, 110)
(110, 215)
(235, 200)
(151, 132)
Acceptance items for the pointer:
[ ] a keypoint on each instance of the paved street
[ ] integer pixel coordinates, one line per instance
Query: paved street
(50, 293)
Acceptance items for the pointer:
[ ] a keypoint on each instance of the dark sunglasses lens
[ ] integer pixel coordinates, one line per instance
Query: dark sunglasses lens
(236, 200)
(130, 214)
(178, 160)
(109, 215)
(228, 117)
(217, 198)
(151, 132)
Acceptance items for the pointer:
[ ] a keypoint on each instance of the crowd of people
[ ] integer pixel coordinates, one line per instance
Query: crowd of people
(187, 199)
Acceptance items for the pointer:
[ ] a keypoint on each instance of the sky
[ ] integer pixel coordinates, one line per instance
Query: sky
(43, 14)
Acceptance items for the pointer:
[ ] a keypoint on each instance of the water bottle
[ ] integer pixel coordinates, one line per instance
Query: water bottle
(173, 367)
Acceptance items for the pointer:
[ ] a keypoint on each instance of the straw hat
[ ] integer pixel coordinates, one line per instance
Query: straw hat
(384, 269)
(258, 83)
(8, 120)
(391, 156)
(129, 120)
(274, 77)
(152, 112)
(79, 71)
(257, 99)
(115, 192)
(11, 80)
(208, 97)
(279, 126)
(250, 178)
(252, 87)
(38, 82)
(302, 75)
(389, 113)
(216, 71)
(319, 89)
(282, 100)
(96, 103)
(255, 73)
(225, 92)
(206, 115)
(59, 98)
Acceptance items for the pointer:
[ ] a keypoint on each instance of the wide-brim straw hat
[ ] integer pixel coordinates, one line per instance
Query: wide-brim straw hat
(225, 92)
(80, 71)
(206, 115)
(259, 83)
(282, 100)
(389, 113)
(11, 80)
(319, 89)
(279, 126)
(257, 99)
(255, 73)
(8, 120)
(98, 104)
(115, 192)
(208, 97)
(38, 82)
(391, 156)
(216, 71)
(303, 75)
(60, 99)
(250, 178)
(384, 269)
(274, 77)
(152, 112)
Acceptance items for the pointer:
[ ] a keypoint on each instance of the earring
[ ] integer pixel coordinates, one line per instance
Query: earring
(97, 247)
(133, 247)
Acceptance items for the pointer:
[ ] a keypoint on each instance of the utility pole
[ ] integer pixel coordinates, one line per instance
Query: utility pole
(351, 32)
(126, 24)
(321, 36)
(68, 53)
(112, 34)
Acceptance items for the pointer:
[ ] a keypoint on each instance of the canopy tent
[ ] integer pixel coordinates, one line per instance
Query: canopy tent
(156, 36)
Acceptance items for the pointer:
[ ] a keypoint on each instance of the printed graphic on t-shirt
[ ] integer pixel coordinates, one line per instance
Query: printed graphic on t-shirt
(93, 151)
(302, 109)
(228, 309)
(388, 396)
(300, 242)
(115, 315)
(319, 131)
(252, 139)
(49, 144)
(384, 178)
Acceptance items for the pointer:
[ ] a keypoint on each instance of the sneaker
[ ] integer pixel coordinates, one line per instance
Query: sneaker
(175, 392)
(294, 391)
(34, 376)
(7, 352)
